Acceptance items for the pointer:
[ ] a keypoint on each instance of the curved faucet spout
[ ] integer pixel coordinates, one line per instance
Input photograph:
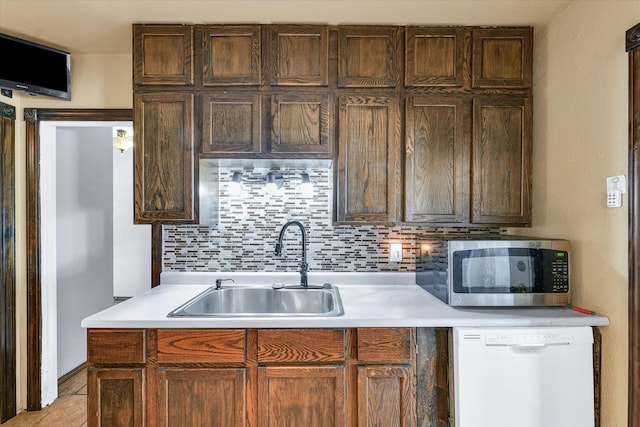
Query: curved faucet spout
(303, 264)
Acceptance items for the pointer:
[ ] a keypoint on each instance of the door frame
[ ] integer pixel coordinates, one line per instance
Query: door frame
(633, 49)
(33, 117)
(8, 370)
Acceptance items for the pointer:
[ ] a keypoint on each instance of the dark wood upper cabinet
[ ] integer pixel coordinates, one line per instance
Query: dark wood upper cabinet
(369, 56)
(436, 56)
(502, 57)
(501, 168)
(301, 124)
(232, 55)
(461, 95)
(368, 159)
(164, 157)
(163, 55)
(299, 55)
(231, 123)
(437, 159)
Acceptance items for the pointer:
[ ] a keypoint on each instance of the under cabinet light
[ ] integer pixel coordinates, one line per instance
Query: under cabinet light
(273, 181)
(306, 186)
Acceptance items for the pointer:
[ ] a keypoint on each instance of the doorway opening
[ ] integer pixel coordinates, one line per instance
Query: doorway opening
(42, 130)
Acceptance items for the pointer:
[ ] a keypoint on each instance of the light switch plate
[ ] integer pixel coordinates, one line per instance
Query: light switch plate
(395, 252)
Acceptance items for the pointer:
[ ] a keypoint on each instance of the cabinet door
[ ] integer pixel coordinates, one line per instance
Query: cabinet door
(299, 55)
(436, 57)
(368, 160)
(385, 396)
(231, 55)
(501, 169)
(301, 396)
(368, 56)
(202, 397)
(232, 123)
(163, 54)
(502, 57)
(437, 159)
(163, 157)
(115, 397)
(301, 124)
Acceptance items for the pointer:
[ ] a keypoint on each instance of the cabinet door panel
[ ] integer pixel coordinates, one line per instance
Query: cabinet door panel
(437, 159)
(232, 55)
(368, 56)
(115, 397)
(435, 57)
(232, 123)
(502, 161)
(385, 396)
(163, 54)
(163, 157)
(293, 396)
(299, 55)
(301, 124)
(368, 169)
(502, 57)
(202, 397)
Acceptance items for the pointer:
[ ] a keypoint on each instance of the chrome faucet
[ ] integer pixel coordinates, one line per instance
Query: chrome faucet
(303, 265)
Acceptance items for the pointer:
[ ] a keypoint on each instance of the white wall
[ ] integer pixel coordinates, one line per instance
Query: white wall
(84, 218)
(131, 243)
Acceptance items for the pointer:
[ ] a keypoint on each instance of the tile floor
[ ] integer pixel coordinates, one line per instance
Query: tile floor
(68, 410)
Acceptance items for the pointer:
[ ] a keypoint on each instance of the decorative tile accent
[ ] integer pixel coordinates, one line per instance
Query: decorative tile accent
(249, 224)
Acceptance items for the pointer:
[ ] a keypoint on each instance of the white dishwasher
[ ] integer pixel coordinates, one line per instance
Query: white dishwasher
(523, 377)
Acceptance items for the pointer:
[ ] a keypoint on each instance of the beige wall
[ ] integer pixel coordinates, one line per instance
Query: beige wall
(580, 137)
(98, 81)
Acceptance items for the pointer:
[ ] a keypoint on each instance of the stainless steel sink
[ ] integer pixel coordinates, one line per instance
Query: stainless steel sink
(263, 301)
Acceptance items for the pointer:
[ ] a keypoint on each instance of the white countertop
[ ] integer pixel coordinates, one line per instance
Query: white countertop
(369, 300)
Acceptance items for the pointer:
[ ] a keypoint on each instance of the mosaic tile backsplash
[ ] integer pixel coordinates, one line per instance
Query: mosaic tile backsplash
(249, 224)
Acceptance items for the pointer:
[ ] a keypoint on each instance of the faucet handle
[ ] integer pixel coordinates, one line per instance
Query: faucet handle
(219, 282)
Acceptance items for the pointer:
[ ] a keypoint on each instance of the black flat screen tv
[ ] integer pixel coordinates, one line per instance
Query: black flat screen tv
(34, 68)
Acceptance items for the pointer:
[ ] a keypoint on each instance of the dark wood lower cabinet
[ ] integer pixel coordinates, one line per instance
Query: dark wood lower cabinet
(301, 396)
(201, 397)
(362, 377)
(115, 397)
(386, 396)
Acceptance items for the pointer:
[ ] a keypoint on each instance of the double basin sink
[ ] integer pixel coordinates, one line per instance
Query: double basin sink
(275, 300)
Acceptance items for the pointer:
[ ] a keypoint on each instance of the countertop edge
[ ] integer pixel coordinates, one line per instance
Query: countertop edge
(397, 305)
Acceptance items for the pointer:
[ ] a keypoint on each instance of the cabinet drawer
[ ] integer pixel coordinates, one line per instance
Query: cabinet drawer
(384, 345)
(115, 346)
(301, 345)
(201, 346)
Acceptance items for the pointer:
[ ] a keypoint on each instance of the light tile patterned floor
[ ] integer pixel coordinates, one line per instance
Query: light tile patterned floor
(69, 410)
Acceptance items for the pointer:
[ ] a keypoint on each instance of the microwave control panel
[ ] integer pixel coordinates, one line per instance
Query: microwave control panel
(560, 272)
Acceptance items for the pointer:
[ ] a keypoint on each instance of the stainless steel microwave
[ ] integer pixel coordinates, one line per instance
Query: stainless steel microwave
(495, 270)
